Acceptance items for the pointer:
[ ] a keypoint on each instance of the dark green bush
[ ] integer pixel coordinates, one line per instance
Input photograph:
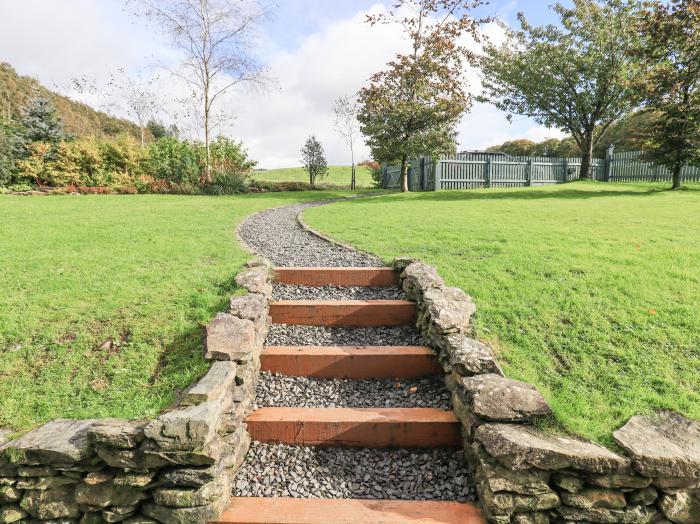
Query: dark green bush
(173, 160)
(226, 182)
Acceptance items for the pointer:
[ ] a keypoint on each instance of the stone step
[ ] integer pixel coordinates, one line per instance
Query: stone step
(337, 276)
(253, 510)
(351, 361)
(356, 427)
(343, 313)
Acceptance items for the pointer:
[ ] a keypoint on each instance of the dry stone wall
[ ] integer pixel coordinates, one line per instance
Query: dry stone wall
(529, 476)
(175, 469)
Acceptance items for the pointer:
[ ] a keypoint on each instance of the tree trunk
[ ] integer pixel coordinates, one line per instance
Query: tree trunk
(143, 137)
(404, 174)
(677, 178)
(207, 160)
(586, 159)
(352, 161)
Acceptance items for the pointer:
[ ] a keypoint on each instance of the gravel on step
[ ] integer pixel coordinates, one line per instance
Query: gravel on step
(276, 234)
(290, 292)
(284, 391)
(299, 335)
(280, 470)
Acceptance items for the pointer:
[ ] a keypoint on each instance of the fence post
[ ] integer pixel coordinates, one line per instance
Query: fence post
(608, 163)
(566, 170)
(487, 180)
(438, 174)
(528, 172)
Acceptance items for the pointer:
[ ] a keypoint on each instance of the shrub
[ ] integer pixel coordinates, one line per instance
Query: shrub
(226, 182)
(228, 155)
(11, 151)
(173, 160)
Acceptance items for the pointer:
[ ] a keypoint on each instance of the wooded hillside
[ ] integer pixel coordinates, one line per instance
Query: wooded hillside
(80, 119)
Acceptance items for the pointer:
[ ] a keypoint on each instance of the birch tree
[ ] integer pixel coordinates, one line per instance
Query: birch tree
(217, 42)
(345, 110)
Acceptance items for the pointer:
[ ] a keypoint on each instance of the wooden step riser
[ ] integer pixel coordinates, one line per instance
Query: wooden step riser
(351, 362)
(343, 313)
(252, 510)
(344, 427)
(337, 276)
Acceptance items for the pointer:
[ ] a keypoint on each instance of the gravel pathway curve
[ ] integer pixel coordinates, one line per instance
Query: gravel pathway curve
(276, 234)
(280, 470)
(283, 391)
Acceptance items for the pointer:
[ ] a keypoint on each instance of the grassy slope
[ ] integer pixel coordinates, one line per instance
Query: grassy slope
(337, 175)
(145, 271)
(589, 291)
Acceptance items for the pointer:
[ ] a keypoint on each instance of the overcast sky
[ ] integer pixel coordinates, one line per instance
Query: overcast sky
(317, 50)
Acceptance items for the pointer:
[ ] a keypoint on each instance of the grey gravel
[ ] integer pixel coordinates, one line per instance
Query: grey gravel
(276, 234)
(298, 335)
(279, 470)
(290, 292)
(284, 391)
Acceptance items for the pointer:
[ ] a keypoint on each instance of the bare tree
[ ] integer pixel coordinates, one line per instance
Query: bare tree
(346, 124)
(135, 97)
(217, 40)
(131, 95)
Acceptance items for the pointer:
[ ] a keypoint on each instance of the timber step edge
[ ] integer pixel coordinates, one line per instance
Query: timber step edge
(357, 362)
(337, 276)
(343, 313)
(356, 427)
(259, 510)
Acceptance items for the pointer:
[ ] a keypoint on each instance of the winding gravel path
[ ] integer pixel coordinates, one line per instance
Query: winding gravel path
(276, 234)
(280, 470)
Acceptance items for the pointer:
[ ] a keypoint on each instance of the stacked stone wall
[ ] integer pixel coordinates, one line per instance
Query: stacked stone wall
(530, 476)
(175, 469)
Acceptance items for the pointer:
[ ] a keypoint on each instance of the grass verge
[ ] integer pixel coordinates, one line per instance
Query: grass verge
(104, 298)
(337, 176)
(591, 291)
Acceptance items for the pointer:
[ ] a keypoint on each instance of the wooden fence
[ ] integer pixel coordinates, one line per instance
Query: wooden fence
(473, 170)
(626, 167)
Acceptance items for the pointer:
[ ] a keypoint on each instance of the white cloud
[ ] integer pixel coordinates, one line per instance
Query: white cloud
(62, 39)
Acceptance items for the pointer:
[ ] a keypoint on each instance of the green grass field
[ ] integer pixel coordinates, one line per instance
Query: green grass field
(337, 175)
(590, 291)
(145, 272)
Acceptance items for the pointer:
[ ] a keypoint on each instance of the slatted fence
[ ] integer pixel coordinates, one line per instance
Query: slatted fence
(627, 167)
(475, 170)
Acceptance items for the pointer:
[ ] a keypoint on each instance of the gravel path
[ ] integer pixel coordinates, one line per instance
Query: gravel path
(276, 234)
(295, 335)
(289, 292)
(279, 470)
(278, 390)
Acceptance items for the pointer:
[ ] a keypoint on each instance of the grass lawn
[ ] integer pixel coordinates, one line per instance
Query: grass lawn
(591, 291)
(337, 175)
(145, 272)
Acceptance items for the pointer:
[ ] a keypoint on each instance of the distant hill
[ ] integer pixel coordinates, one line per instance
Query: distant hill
(79, 119)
